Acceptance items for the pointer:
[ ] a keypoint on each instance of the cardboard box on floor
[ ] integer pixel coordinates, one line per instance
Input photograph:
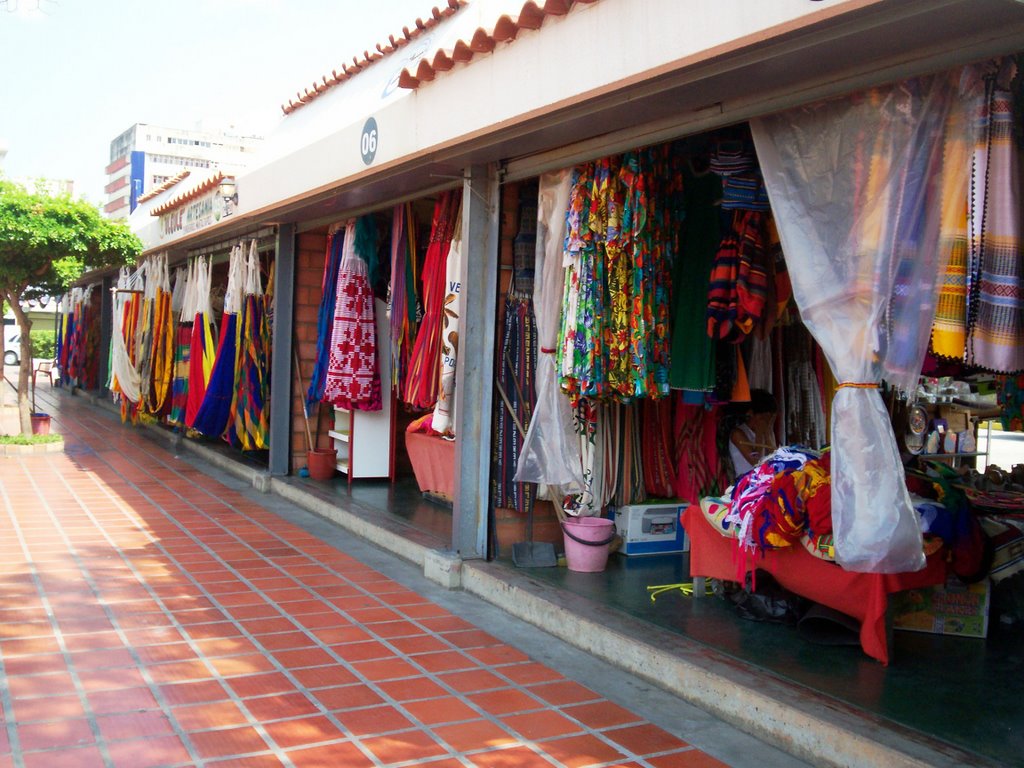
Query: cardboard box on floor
(954, 608)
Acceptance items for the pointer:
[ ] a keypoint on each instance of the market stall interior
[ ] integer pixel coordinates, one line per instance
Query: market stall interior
(666, 355)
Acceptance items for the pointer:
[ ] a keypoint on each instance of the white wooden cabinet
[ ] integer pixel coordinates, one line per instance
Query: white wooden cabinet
(365, 439)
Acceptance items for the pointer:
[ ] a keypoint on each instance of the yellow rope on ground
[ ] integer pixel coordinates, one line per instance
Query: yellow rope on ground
(686, 588)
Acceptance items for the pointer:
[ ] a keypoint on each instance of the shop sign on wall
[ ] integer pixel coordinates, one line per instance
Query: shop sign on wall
(368, 141)
(199, 213)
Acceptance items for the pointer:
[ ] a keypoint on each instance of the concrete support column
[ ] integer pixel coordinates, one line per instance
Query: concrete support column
(281, 351)
(474, 378)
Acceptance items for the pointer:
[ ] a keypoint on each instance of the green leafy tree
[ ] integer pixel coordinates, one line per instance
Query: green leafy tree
(45, 244)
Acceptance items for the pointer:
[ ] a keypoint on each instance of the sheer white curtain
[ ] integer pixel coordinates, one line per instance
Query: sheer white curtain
(551, 450)
(857, 186)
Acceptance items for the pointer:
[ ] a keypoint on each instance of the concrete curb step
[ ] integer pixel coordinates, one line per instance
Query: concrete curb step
(810, 726)
(31, 450)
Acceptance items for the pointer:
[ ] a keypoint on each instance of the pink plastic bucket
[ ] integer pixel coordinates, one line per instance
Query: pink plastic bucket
(586, 543)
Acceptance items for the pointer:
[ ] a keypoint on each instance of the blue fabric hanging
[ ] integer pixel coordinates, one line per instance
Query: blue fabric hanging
(325, 320)
(213, 415)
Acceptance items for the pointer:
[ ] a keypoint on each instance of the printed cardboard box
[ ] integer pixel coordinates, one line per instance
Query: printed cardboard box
(954, 608)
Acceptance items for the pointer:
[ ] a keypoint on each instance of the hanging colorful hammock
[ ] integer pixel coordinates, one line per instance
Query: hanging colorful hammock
(402, 298)
(215, 411)
(125, 381)
(325, 318)
(353, 377)
(63, 309)
(425, 363)
(69, 323)
(144, 335)
(201, 346)
(182, 345)
(248, 425)
(162, 356)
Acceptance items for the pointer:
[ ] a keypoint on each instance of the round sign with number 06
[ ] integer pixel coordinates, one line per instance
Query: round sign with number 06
(368, 141)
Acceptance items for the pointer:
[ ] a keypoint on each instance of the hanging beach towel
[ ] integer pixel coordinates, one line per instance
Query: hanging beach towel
(353, 377)
(214, 413)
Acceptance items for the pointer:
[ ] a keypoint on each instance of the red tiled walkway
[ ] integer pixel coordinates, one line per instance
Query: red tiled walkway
(150, 615)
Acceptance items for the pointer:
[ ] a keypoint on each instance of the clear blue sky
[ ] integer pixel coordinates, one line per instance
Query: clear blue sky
(76, 73)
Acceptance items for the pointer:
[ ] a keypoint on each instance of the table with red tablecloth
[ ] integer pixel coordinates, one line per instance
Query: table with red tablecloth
(433, 463)
(864, 596)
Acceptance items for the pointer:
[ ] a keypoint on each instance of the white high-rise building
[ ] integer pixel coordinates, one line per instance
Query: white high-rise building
(145, 156)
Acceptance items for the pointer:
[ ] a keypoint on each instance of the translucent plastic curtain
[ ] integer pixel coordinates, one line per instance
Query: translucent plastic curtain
(857, 186)
(551, 452)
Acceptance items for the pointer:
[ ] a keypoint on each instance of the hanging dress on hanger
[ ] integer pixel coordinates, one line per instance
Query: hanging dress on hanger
(693, 352)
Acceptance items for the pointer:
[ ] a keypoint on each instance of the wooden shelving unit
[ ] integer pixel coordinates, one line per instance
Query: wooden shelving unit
(365, 440)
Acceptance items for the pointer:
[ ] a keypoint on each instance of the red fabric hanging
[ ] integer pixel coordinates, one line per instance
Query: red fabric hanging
(425, 363)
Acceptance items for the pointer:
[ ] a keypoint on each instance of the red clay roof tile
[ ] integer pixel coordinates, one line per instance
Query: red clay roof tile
(204, 186)
(165, 186)
(437, 14)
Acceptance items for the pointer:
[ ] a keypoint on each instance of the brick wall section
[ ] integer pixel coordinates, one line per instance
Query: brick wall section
(510, 526)
(309, 270)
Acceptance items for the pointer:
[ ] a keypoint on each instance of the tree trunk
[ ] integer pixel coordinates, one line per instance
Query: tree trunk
(25, 369)
(3, 351)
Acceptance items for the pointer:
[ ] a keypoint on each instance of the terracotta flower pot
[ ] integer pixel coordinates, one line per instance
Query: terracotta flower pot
(322, 463)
